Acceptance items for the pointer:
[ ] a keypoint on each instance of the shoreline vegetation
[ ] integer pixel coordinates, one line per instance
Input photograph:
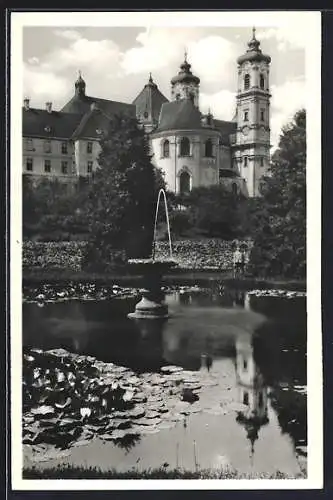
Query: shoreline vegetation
(76, 472)
(188, 277)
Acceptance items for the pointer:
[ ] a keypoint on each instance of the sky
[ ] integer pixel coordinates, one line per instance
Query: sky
(115, 63)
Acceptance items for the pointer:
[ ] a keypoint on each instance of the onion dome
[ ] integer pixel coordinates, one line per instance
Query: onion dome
(80, 85)
(151, 83)
(185, 74)
(254, 52)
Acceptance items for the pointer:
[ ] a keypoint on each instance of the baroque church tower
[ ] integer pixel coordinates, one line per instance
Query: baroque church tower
(185, 85)
(252, 147)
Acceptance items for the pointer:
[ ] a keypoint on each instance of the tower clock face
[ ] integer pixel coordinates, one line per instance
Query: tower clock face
(246, 130)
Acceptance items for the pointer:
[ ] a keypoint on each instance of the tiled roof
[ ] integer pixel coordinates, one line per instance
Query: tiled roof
(150, 100)
(81, 105)
(92, 125)
(228, 173)
(181, 115)
(226, 129)
(41, 123)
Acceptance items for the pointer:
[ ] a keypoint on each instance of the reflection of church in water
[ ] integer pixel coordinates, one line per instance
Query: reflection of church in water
(252, 391)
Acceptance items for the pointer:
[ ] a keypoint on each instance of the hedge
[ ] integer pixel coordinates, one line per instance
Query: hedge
(205, 254)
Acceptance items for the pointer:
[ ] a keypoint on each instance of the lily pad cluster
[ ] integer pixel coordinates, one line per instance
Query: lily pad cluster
(68, 399)
(287, 294)
(44, 293)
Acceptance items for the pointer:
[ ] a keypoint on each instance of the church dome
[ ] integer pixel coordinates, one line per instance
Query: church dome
(185, 74)
(254, 52)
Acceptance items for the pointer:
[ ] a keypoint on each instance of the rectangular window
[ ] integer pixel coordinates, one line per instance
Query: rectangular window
(89, 167)
(64, 148)
(89, 147)
(246, 115)
(262, 115)
(29, 165)
(64, 167)
(261, 162)
(47, 146)
(47, 166)
(29, 145)
(245, 161)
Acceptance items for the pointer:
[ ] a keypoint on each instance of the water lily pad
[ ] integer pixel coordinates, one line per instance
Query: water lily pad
(149, 430)
(64, 404)
(106, 437)
(136, 412)
(171, 369)
(152, 414)
(81, 443)
(149, 421)
(43, 410)
(118, 434)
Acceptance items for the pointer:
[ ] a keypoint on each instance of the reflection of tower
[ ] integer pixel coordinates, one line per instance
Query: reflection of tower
(252, 390)
(247, 302)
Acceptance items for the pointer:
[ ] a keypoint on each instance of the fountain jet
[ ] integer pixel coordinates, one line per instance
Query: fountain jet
(152, 305)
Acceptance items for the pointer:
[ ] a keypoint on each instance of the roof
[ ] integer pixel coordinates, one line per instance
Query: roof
(92, 125)
(254, 52)
(226, 129)
(150, 100)
(41, 123)
(180, 114)
(185, 74)
(228, 173)
(81, 105)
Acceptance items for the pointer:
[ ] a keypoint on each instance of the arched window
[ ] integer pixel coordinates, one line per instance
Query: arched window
(234, 188)
(185, 147)
(209, 148)
(166, 148)
(246, 81)
(262, 81)
(184, 183)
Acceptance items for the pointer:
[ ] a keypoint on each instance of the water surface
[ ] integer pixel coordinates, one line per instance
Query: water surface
(251, 349)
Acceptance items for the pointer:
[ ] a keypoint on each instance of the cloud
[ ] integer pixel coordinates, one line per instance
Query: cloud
(42, 86)
(222, 104)
(69, 34)
(33, 60)
(155, 50)
(286, 100)
(214, 57)
(95, 55)
(288, 36)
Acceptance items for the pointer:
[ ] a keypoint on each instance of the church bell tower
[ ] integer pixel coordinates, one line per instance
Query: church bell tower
(252, 149)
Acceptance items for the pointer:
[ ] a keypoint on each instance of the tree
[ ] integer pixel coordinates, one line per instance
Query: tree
(122, 197)
(51, 210)
(215, 211)
(279, 227)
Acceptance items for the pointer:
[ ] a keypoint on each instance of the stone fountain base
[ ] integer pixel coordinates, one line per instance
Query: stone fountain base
(151, 305)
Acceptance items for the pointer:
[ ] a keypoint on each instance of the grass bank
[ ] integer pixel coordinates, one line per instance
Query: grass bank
(73, 472)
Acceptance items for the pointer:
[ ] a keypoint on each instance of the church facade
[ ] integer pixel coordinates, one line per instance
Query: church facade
(192, 148)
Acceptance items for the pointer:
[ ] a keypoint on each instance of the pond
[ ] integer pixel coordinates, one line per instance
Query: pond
(247, 355)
